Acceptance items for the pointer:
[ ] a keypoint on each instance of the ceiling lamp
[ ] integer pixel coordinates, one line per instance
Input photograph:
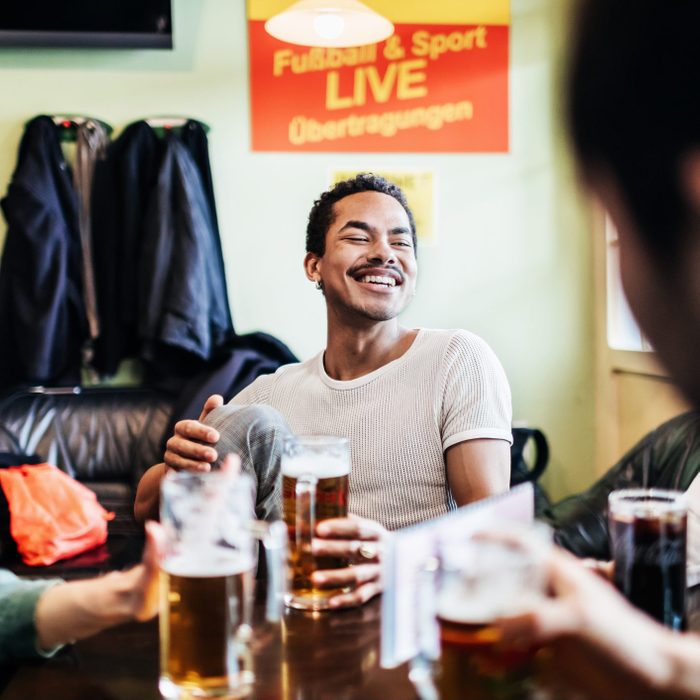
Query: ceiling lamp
(332, 23)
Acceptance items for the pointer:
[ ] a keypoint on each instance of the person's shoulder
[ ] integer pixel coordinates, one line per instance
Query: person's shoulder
(259, 390)
(288, 373)
(294, 369)
(459, 350)
(455, 340)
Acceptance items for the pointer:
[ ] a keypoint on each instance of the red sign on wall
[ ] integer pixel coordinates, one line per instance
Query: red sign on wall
(429, 87)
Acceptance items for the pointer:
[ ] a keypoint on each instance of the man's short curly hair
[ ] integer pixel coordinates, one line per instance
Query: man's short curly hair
(322, 215)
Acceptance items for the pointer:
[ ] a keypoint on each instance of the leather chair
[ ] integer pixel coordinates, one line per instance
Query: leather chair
(665, 458)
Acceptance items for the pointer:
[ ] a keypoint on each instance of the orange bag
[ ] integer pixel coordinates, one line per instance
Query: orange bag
(52, 516)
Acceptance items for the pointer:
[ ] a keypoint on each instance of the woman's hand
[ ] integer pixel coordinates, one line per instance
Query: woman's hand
(595, 644)
(79, 609)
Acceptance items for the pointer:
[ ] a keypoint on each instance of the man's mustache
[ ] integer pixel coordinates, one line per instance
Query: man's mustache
(355, 271)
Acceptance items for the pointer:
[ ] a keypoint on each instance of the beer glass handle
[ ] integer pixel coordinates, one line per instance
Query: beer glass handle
(423, 665)
(305, 525)
(274, 540)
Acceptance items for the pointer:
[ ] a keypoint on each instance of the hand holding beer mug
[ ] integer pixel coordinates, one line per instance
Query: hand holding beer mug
(315, 480)
(648, 544)
(477, 582)
(206, 583)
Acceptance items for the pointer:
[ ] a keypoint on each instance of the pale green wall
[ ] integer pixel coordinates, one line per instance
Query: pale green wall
(512, 261)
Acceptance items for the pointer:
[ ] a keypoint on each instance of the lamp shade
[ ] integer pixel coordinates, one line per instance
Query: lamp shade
(331, 23)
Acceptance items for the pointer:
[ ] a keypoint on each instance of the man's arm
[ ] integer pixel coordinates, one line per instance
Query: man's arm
(477, 469)
(147, 503)
(190, 449)
(475, 420)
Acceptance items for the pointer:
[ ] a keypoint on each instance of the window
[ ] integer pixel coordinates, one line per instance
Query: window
(623, 331)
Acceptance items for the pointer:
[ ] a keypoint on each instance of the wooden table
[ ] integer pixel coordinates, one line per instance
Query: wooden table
(309, 656)
(333, 656)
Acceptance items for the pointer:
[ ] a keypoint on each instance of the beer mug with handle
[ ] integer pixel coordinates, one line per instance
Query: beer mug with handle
(206, 585)
(471, 583)
(315, 481)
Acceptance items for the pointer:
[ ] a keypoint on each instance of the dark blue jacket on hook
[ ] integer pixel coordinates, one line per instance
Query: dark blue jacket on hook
(42, 314)
(158, 254)
(159, 271)
(184, 299)
(122, 186)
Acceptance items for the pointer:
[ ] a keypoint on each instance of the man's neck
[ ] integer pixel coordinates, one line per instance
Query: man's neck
(352, 353)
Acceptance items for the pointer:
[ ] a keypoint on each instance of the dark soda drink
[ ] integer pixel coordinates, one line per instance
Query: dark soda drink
(648, 543)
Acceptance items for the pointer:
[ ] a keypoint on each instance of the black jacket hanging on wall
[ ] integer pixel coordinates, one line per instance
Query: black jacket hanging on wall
(42, 315)
(148, 206)
(194, 137)
(159, 271)
(122, 185)
(185, 306)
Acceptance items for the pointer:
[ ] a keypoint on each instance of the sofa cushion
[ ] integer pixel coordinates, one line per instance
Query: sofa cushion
(95, 435)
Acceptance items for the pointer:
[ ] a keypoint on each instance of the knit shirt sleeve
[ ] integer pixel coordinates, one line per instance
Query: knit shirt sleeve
(256, 392)
(476, 401)
(18, 601)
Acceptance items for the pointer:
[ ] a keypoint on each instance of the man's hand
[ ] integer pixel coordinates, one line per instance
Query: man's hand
(359, 541)
(191, 447)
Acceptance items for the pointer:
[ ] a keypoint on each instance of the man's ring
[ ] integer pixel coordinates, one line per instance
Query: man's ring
(367, 551)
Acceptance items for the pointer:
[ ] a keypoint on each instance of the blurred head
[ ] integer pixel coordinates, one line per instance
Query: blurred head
(634, 117)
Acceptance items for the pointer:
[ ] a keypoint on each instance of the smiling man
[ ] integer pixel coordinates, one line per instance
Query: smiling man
(427, 412)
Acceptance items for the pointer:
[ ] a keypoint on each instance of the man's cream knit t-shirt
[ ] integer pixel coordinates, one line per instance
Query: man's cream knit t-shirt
(448, 387)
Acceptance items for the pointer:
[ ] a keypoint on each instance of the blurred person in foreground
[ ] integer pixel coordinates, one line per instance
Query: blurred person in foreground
(634, 118)
(37, 617)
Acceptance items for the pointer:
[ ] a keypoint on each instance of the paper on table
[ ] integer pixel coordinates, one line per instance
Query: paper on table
(693, 499)
(406, 553)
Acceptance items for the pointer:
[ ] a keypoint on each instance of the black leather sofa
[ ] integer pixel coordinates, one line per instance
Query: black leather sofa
(105, 438)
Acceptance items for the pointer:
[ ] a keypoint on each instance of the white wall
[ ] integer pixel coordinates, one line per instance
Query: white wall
(512, 261)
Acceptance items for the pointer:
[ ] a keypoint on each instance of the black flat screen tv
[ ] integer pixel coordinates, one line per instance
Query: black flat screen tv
(123, 24)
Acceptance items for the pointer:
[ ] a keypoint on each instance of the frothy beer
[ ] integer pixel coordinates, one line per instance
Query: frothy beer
(473, 664)
(203, 612)
(331, 501)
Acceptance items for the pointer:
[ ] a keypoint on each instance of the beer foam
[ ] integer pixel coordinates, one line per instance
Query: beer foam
(468, 611)
(199, 567)
(320, 466)
(485, 603)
